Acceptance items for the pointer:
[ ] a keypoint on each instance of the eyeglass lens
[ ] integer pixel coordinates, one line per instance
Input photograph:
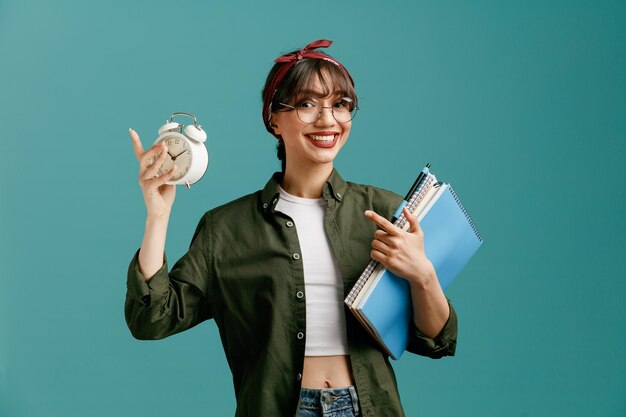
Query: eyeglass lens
(311, 110)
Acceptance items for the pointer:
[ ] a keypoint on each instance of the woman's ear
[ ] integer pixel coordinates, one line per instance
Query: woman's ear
(274, 125)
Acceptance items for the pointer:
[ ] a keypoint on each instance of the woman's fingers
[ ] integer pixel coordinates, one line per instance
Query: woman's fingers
(162, 179)
(413, 222)
(149, 156)
(383, 223)
(154, 166)
(384, 237)
(151, 161)
(169, 174)
(157, 196)
(137, 147)
(381, 247)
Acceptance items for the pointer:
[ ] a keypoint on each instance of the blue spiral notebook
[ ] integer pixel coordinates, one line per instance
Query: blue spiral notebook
(381, 300)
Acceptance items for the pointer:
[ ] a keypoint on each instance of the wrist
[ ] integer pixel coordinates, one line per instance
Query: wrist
(157, 220)
(424, 279)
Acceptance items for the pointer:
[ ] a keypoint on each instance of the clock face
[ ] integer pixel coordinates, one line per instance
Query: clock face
(179, 154)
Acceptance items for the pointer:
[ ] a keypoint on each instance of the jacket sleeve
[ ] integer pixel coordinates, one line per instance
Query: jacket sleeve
(171, 302)
(444, 344)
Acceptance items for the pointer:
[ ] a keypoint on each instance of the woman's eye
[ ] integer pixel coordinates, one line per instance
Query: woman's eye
(305, 105)
(341, 104)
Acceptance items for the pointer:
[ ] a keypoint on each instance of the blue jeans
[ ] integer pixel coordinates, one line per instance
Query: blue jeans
(329, 402)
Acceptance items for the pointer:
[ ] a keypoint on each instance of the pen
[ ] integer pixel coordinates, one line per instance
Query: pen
(414, 187)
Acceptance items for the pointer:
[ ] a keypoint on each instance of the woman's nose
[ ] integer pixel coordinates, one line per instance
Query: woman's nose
(326, 117)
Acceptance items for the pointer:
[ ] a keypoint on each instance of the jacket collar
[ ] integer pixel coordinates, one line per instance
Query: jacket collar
(334, 188)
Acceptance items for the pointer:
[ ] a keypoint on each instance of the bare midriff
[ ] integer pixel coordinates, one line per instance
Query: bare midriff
(327, 372)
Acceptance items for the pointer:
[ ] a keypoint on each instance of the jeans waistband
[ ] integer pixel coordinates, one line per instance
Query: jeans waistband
(330, 399)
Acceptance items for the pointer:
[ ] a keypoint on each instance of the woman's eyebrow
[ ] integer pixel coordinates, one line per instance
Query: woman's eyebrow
(315, 93)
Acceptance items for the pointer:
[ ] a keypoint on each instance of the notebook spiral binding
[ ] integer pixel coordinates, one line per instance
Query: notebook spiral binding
(361, 282)
(469, 219)
(415, 199)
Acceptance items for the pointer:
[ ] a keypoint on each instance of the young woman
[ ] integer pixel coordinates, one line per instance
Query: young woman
(273, 267)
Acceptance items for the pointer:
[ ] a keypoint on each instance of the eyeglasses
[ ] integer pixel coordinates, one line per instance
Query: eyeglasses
(310, 110)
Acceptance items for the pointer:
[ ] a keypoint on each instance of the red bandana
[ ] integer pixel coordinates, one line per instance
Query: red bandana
(289, 60)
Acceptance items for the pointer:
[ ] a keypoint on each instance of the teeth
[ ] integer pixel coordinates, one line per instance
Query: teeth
(324, 138)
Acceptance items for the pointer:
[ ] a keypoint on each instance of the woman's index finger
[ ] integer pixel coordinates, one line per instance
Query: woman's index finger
(383, 223)
(137, 147)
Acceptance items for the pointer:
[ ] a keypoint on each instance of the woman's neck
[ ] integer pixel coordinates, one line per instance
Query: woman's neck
(307, 183)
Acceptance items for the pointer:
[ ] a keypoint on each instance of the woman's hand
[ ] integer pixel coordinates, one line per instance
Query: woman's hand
(400, 251)
(158, 196)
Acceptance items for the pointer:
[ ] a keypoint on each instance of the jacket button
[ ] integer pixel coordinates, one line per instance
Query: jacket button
(299, 294)
(300, 335)
(264, 205)
(289, 224)
(296, 256)
(339, 196)
(299, 377)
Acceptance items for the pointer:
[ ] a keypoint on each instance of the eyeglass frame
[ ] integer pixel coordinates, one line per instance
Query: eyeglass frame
(319, 116)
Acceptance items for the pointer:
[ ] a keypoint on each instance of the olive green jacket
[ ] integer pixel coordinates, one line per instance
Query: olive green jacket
(244, 270)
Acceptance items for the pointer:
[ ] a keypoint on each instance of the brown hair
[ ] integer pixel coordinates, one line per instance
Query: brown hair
(299, 78)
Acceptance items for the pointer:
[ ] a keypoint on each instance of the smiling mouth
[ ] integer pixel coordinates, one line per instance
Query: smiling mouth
(323, 141)
(322, 138)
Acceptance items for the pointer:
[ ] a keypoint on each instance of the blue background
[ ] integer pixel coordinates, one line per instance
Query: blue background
(522, 107)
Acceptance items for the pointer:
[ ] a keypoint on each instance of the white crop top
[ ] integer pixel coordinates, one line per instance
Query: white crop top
(325, 318)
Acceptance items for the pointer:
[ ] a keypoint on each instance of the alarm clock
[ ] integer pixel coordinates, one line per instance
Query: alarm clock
(185, 149)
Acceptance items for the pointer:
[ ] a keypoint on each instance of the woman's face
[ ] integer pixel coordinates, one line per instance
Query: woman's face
(318, 143)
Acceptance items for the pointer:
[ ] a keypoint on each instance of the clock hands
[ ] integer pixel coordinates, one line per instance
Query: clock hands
(174, 157)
